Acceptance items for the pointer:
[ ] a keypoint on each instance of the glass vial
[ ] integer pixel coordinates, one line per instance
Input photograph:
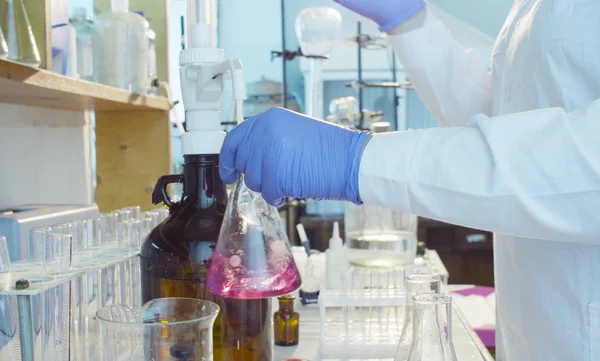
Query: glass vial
(432, 329)
(22, 47)
(416, 284)
(286, 322)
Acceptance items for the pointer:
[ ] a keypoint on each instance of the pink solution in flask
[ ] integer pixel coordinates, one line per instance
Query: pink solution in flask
(252, 257)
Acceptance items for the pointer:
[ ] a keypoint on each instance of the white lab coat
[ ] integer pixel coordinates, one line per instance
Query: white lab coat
(523, 162)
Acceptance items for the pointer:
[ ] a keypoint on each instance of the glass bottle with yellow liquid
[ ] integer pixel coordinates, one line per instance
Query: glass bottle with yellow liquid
(286, 322)
(176, 257)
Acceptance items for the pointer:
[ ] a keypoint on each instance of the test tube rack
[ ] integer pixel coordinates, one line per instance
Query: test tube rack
(51, 317)
(361, 323)
(364, 319)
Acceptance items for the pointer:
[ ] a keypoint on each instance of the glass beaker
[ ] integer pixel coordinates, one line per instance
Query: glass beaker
(165, 329)
(252, 258)
(379, 237)
(19, 37)
(432, 329)
(415, 284)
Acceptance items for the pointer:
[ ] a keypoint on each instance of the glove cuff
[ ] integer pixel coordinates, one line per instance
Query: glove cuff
(413, 9)
(358, 144)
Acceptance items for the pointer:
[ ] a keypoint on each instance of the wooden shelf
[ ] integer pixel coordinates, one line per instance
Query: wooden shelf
(20, 84)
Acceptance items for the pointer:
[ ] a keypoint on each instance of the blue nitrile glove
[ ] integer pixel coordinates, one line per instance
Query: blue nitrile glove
(388, 14)
(286, 154)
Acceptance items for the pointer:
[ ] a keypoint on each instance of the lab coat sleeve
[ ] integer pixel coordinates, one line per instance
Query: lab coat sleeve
(533, 174)
(454, 83)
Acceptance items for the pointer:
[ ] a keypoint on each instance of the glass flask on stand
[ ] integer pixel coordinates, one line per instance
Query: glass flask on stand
(253, 258)
(176, 256)
(378, 237)
(432, 329)
(21, 43)
(415, 284)
(169, 329)
(317, 30)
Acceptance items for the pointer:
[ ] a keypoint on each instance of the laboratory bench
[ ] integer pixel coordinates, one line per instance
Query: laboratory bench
(467, 344)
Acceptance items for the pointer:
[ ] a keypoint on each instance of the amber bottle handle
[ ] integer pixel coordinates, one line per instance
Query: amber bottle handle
(160, 195)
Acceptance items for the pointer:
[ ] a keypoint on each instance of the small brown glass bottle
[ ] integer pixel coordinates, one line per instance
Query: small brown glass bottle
(286, 322)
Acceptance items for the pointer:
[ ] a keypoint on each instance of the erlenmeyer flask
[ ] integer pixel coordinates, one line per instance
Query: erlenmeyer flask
(252, 258)
(19, 37)
(3, 46)
(416, 284)
(432, 329)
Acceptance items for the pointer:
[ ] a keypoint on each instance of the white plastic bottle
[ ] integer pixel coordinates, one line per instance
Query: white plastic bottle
(336, 260)
(120, 44)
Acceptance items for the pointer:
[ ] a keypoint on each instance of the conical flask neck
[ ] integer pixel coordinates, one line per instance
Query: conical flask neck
(202, 184)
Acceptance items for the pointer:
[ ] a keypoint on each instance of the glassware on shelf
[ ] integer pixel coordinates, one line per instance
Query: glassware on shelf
(83, 38)
(286, 322)
(167, 329)
(120, 48)
(415, 284)
(21, 43)
(432, 329)
(253, 258)
(3, 46)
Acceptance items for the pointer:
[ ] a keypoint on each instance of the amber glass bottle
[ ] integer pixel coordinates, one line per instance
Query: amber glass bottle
(175, 259)
(286, 322)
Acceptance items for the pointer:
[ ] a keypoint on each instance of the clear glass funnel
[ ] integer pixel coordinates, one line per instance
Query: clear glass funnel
(165, 329)
(252, 258)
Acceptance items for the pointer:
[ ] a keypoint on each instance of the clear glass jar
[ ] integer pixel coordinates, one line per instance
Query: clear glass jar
(379, 237)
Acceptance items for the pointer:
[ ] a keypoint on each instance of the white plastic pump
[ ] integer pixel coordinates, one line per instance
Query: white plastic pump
(203, 69)
(335, 259)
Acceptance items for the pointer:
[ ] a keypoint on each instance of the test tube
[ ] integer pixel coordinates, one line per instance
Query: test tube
(79, 234)
(57, 254)
(135, 212)
(79, 312)
(37, 241)
(128, 235)
(4, 258)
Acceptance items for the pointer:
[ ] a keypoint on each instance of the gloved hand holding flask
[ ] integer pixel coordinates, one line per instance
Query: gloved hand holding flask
(286, 154)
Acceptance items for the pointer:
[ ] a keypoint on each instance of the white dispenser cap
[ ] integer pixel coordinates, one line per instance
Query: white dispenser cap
(121, 6)
(336, 242)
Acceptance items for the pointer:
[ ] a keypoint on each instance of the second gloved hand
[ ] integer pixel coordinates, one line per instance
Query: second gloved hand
(286, 154)
(388, 14)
